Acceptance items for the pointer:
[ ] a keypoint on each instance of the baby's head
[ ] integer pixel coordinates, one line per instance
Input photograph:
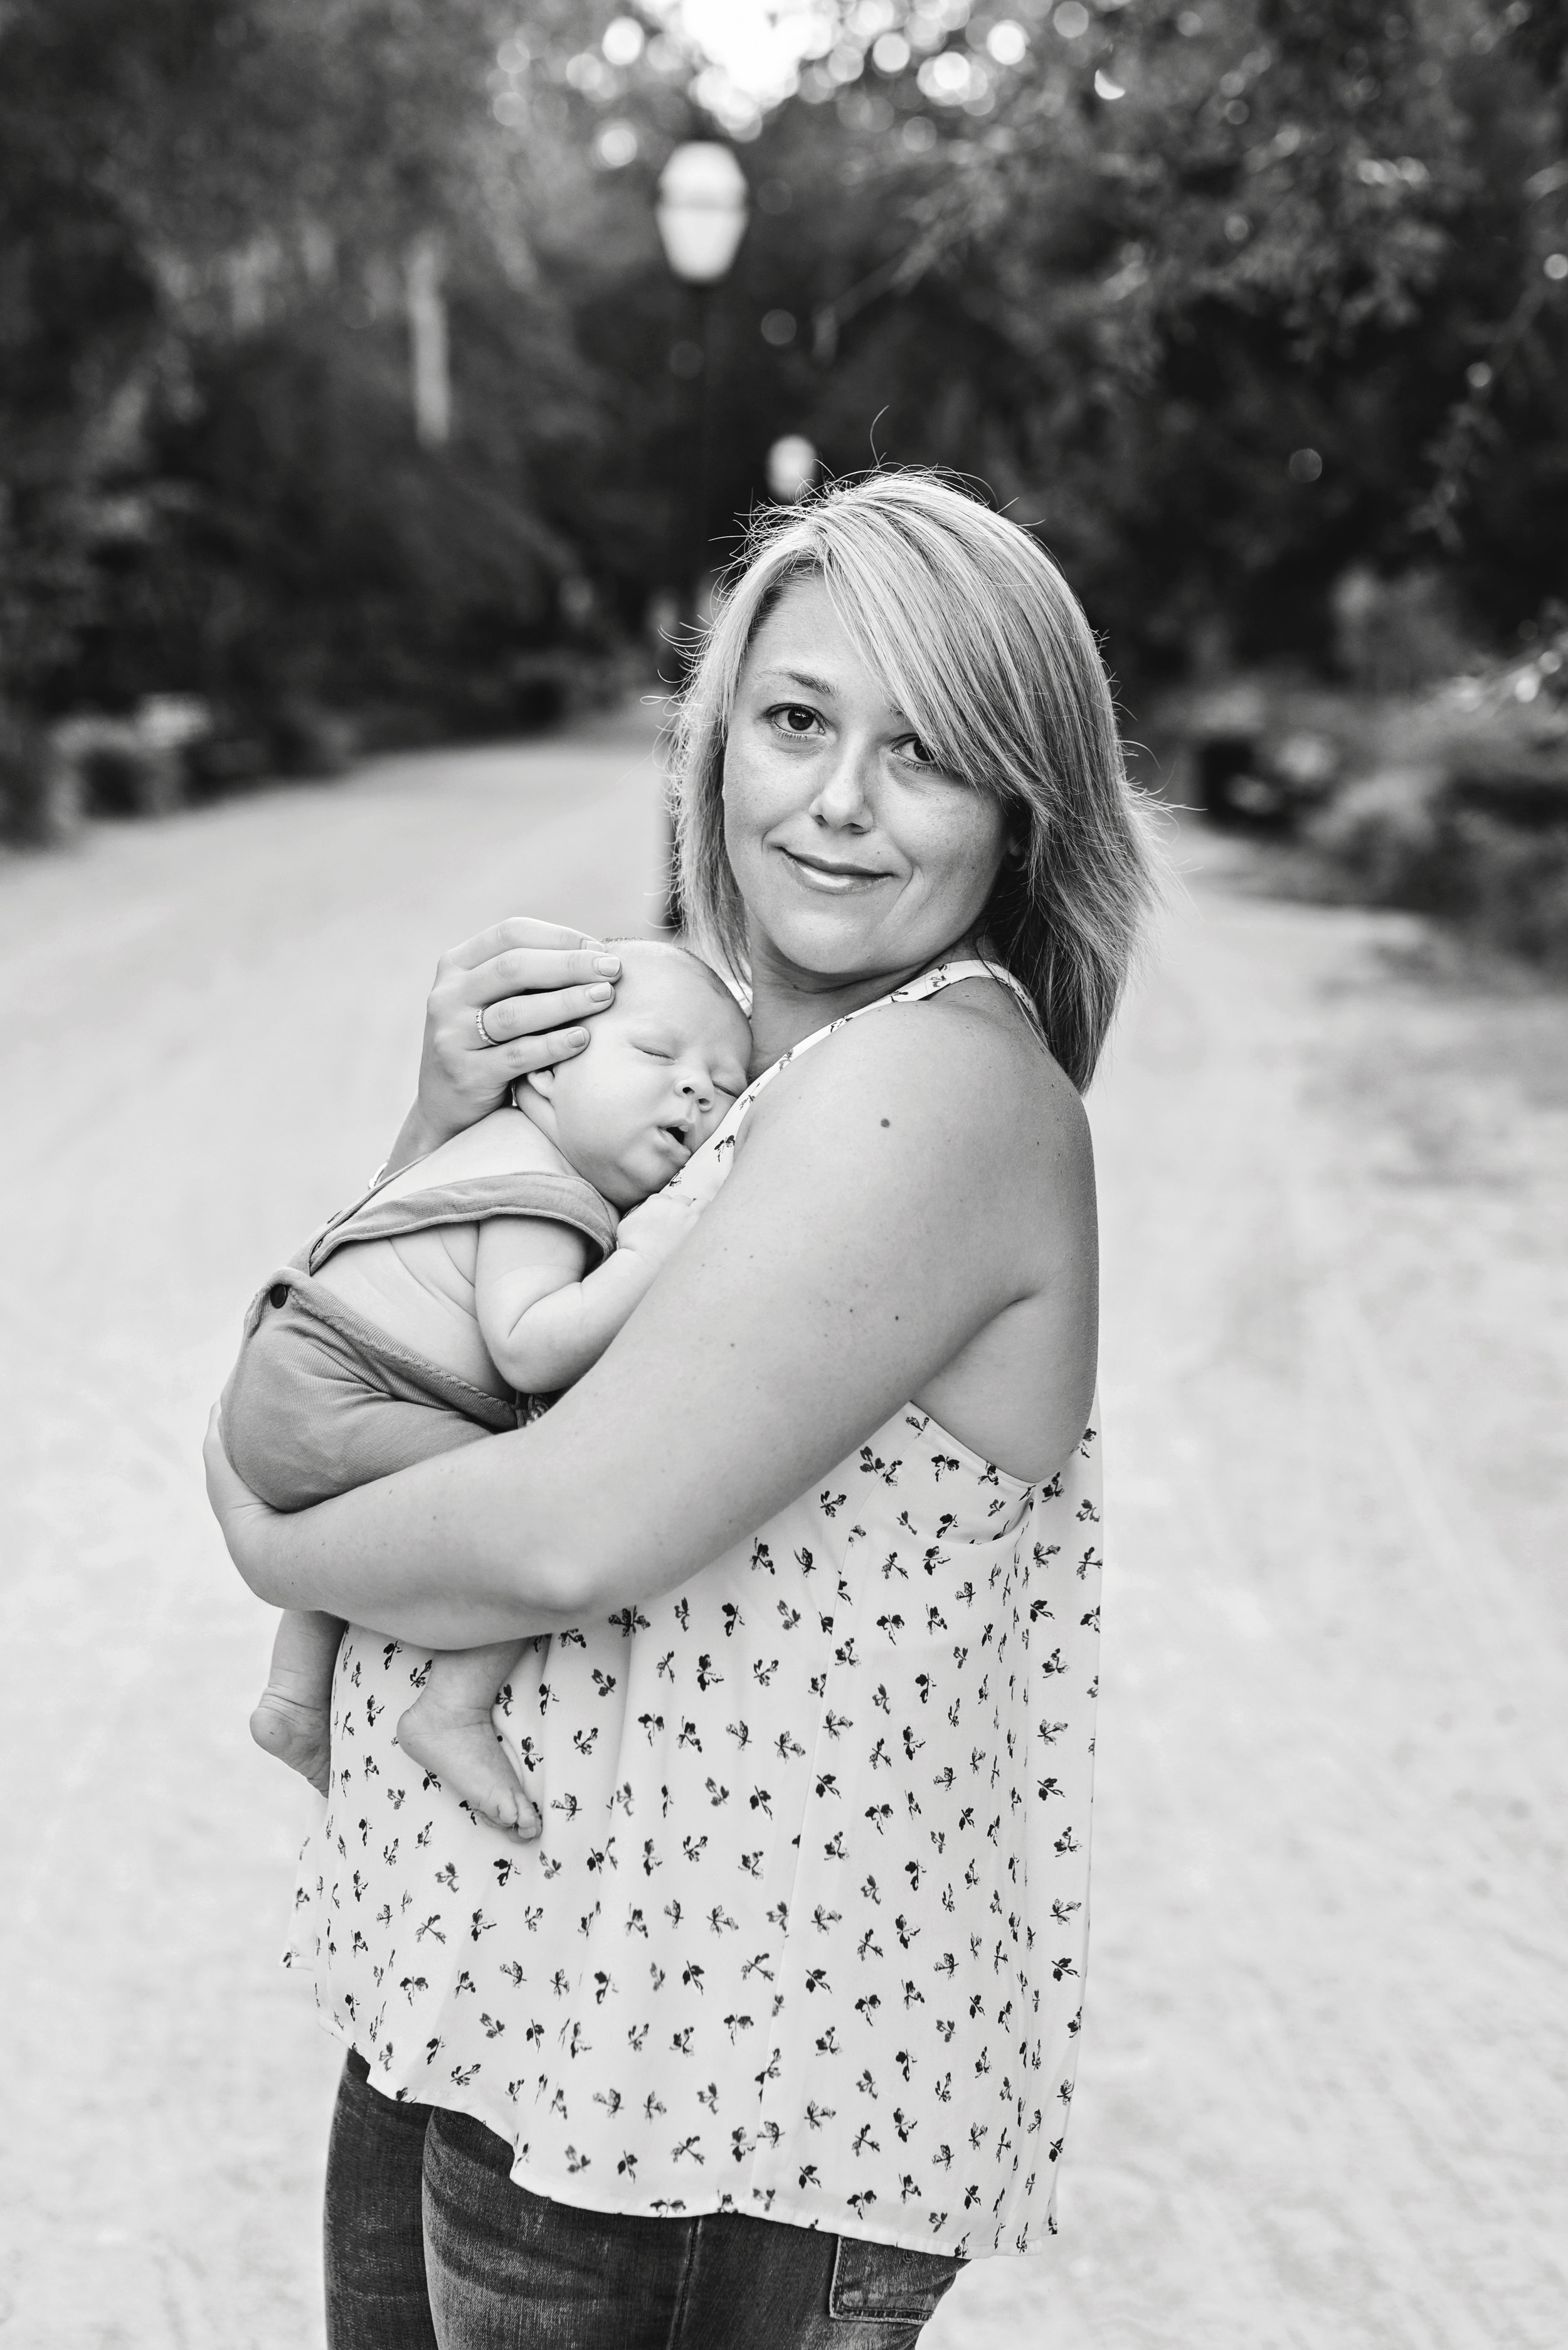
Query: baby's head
(661, 1070)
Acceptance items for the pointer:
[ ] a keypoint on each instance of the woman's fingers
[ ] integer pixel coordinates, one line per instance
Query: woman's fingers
(530, 1053)
(511, 1016)
(535, 971)
(533, 984)
(242, 1516)
(517, 930)
(226, 1491)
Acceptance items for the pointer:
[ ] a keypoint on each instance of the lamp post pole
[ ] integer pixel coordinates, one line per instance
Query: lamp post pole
(701, 212)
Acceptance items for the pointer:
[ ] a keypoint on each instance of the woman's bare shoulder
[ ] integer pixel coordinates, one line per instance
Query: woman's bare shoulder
(963, 1076)
(970, 1045)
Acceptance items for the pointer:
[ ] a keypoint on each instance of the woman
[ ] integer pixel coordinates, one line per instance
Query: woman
(777, 2025)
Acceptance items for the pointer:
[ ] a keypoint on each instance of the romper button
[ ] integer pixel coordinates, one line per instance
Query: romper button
(278, 1294)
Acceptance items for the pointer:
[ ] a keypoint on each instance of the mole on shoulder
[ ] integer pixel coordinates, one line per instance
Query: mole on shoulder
(887, 1121)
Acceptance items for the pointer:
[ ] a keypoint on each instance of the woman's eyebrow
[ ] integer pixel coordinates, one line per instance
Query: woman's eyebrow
(819, 685)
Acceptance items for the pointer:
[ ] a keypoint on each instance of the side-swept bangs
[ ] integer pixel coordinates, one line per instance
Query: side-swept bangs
(975, 634)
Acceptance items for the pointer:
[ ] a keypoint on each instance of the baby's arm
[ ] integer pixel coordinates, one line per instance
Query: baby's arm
(542, 1319)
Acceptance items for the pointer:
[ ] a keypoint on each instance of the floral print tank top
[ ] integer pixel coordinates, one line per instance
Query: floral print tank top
(804, 1933)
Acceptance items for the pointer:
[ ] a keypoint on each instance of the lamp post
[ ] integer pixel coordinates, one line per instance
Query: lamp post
(701, 212)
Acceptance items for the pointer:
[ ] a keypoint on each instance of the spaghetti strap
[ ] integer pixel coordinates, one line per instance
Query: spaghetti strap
(944, 974)
(914, 991)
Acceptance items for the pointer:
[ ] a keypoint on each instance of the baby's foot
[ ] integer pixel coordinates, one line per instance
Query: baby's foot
(466, 1756)
(297, 1733)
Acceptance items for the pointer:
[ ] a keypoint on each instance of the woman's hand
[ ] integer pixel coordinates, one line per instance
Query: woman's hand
(243, 1520)
(535, 984)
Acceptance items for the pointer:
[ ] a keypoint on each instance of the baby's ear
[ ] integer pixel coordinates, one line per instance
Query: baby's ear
(539, 1081)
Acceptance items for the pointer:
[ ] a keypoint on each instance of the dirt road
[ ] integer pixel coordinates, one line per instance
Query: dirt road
(1323, 2102)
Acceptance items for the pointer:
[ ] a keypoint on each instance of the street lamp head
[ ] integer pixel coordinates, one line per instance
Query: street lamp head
(701, 211)
(792, 468)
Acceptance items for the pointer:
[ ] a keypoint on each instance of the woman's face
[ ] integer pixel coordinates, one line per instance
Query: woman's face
(855, 854)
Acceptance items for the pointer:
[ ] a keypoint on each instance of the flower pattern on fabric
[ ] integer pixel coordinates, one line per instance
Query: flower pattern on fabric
(805, 1931)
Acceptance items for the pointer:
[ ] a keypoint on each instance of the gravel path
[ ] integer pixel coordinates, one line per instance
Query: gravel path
(1323, 2100)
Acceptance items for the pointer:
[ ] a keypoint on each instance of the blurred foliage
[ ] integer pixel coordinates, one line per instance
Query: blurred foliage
(1465, 813)
(1224, 297)
(1227, 298)
(210, 478)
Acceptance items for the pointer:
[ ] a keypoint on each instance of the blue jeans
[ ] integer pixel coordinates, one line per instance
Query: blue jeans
(430, 2246)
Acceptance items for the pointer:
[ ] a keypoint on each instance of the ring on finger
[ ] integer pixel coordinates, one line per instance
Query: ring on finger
(484, 1036)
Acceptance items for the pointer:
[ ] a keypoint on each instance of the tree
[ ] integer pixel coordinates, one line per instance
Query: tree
(1221, 296)
(217, 217)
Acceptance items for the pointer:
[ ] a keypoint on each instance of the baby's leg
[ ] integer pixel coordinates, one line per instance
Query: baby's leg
(448, 1731)
(294, 1719)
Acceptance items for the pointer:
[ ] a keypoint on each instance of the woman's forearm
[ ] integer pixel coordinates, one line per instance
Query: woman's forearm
(415, 1558)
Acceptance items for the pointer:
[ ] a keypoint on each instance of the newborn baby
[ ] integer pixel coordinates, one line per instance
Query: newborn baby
(446, 1304)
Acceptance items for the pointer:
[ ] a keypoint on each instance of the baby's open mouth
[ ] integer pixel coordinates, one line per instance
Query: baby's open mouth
(680, 1135)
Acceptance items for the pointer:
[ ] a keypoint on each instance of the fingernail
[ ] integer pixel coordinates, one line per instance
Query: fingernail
(609, 965)
(600, 993)
(575, 1036)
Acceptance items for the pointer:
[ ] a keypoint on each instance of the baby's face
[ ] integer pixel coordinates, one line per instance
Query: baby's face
(661, 1068)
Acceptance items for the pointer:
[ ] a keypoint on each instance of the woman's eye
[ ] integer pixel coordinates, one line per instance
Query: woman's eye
(795, 718)
(919, 753)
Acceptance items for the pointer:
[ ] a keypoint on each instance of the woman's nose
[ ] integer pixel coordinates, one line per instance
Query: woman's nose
(841, 797)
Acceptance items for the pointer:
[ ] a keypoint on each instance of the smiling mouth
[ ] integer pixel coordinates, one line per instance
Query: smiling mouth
(834, 881)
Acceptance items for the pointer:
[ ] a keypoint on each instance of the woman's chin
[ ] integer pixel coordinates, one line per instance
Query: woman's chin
(847, 943)
(828, 936)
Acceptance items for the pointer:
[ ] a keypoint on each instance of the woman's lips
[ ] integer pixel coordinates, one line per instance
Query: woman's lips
(833, 880)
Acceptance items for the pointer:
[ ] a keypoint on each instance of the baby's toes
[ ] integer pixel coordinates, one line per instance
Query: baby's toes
(508, 1809)
(509, 1813)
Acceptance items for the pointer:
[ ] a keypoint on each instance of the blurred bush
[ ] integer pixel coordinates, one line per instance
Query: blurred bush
(1398, 841)
(1461, 809)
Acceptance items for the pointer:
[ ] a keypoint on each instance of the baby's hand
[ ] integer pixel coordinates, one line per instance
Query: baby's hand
(656, 1230)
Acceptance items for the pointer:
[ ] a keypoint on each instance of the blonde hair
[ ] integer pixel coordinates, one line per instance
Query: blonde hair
(978, 637)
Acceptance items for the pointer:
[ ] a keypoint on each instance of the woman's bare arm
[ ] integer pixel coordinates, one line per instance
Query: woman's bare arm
(898, 1190)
